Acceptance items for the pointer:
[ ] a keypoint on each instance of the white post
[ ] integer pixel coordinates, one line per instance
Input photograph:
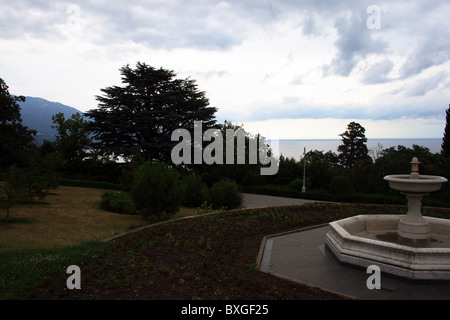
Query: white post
(304, 170)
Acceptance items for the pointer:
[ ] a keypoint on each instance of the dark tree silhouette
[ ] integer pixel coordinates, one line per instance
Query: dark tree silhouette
(353, 146)
(446, 139)
(14, 137)
(144, 113)
(73, 137)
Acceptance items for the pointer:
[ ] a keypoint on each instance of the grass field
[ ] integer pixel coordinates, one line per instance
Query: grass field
(66, 226)
(68, 216)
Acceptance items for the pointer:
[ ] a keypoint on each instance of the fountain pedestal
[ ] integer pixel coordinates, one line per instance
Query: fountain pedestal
(413, 225)
(415, 186)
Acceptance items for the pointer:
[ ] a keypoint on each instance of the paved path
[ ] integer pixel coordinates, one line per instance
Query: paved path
(302, 257)
(260, 201)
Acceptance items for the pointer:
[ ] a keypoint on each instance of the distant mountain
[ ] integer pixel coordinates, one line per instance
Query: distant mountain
(37, 115)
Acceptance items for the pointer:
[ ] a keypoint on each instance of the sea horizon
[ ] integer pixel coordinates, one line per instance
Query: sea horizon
(293, 148)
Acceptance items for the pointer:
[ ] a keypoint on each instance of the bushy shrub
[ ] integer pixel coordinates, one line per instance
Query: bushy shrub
(341, 185)
(196, 191)
(14, 189)
(119, 202)
(296, 184)
(157, 190)
(252, 178)
(225, 194)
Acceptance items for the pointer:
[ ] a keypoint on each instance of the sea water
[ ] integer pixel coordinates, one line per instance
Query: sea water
(294, 148)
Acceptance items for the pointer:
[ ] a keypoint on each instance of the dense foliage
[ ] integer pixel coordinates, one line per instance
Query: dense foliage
(73, 138)
(145, 112)
(196, 191)
(14, 137)
(119, 202)
(353, 147)
(365, 177)
(136, 121)
(225, 195)
(157, 190)
(446, 138)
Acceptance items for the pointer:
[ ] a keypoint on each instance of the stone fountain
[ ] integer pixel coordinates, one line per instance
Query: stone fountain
(410, 246)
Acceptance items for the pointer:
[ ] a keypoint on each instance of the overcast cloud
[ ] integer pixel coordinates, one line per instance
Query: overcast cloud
(256, 60)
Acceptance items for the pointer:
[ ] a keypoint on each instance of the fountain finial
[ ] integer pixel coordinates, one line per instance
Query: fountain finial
(415, 168)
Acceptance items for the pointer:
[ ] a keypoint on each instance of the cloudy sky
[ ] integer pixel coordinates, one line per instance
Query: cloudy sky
(286, 68)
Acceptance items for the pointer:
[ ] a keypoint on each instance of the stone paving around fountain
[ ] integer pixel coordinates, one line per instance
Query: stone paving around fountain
(301, 256)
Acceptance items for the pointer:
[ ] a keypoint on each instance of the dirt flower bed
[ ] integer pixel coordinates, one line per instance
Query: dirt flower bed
(210, 257)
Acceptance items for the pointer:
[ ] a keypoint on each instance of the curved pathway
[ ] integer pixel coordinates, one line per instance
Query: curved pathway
(261, 201)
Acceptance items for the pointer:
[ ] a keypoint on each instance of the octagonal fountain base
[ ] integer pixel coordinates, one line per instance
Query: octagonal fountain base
(374, 240)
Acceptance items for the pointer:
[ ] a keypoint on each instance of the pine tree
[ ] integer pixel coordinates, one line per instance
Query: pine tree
(354, 146)
(144, 113)
(446, 139)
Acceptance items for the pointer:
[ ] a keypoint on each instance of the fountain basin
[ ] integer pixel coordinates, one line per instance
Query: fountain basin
(366, 240)
(421, 184)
